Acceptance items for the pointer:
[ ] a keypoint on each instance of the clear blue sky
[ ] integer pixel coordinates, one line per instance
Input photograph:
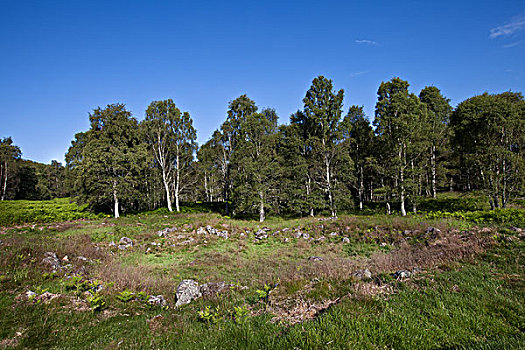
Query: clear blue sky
(61, 59)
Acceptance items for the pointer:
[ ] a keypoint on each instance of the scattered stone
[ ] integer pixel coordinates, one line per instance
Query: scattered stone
(51, 259)
(46, 297)
(298, 234)
(362, 274)
(262, 233)
(286, 229)
(30, 294)
(433, 230)
(242, 234)
(306, 236)
(286, 240)
(126, 241)
(212, 288)
(333, 234)
(1, 242)
(346, 240)
(315, 258)
(65, 258)
(186, 242)
(383, 244)
(186, 291)
(212, 231)
(407, 232)
(112, 244)
(157, 300)
(163, 233)
(515, 229)
(402, 274)
(320, 239)
(82, 258)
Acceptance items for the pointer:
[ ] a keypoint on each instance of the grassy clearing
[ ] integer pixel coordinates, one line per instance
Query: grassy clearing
(55, 210)
(466, 291)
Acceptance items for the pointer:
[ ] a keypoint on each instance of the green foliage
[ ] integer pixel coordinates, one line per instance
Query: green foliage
(96, 301)
(263, 294)
(240, 314)
(56, 210)
(76, 284)
(126, 295)
(498, 216)
(209, 316)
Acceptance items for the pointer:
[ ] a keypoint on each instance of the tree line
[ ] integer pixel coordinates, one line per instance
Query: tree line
(323, 161)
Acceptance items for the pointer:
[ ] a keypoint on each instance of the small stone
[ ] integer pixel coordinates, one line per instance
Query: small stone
(30, 294)
(362, 274)
(402, 274)
(315, 258)
(320, 239)
(306, 236)
(157, 300)
(286, 240)
(333, 234)
(298, 234)
(126, 241)
(112, 244)
(201, 231)
(346, 240)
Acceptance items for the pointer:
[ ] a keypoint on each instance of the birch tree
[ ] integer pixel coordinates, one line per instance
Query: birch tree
(171, 137)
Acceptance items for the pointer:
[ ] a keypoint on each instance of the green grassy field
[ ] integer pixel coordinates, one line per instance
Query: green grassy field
(466, 289)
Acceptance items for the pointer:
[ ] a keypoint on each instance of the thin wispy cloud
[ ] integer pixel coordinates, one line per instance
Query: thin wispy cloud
(356, 74)
(513, 44)
(516, 25)
(366, 42)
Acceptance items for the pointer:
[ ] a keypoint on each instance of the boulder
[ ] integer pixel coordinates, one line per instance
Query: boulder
(187, 291)
(362, 274)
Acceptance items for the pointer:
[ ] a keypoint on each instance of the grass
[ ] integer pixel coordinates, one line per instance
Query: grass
(55, 210)
(467, 294)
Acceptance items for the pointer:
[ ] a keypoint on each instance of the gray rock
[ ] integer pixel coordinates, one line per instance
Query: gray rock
(333, 234)
(187, 291)
(212, 288)
(201, 231)
(223, 234)
(123, 247)
(163, 233)
(320, 239)
(126, 241)
(298, 234)
(306, 236)
(315, 258)
(157, 300)
(362, 274)
(52, 260)
(346, 240)
(433, 230)
(402, 274)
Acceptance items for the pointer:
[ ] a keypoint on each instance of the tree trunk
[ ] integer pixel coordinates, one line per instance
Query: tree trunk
(261, 207)
(177, 184)
(167, 188)
(4, 190)
(433, 169)
(361, 189)
(402, 185)
(115, 200)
